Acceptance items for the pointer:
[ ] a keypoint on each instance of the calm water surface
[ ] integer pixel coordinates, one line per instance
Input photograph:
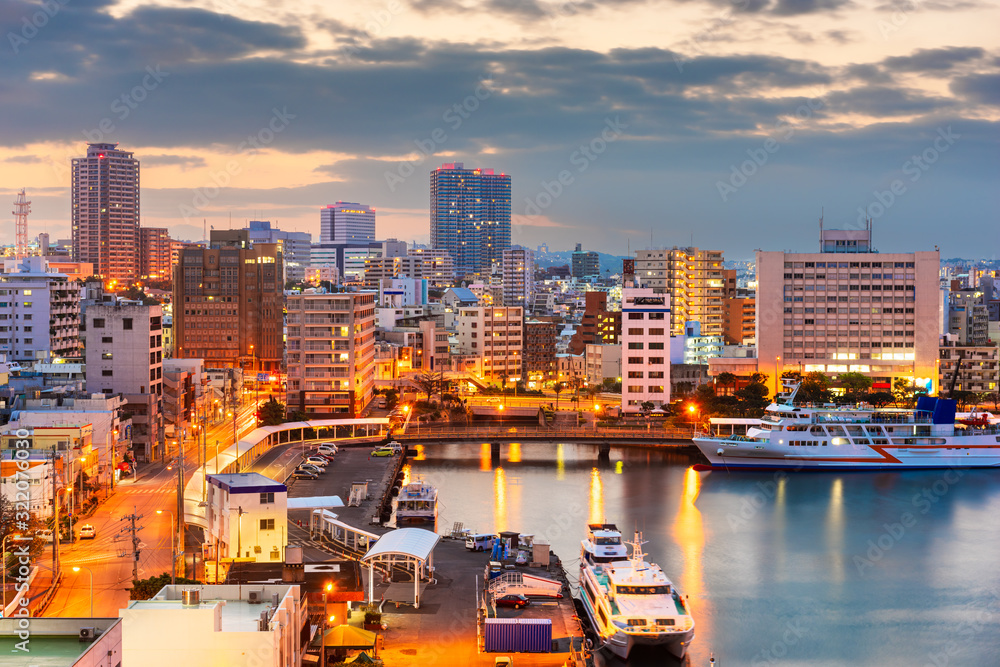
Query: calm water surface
(816, 569)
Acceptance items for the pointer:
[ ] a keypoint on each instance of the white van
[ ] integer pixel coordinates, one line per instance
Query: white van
(480, 542)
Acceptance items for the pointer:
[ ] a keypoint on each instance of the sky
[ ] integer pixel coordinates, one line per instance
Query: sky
(624, 124)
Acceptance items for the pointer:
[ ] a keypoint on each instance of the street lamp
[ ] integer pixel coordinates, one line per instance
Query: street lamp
(77, 568)
(326, 615)
(173, 550)
(3, 557)
(500, 407)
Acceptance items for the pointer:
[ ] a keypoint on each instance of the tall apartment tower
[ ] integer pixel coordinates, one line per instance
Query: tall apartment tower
(849, 308)
(645, 347)
(228, 303)
(124, 353)
(346, 222)
(105, 212)
(694, 280)
(154, 254)
(331, 353)
(39, 312)
(518, 272)
(585, 264)
(470, 216)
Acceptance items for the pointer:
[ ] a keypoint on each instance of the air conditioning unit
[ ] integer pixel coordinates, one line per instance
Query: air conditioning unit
(88, 634)
(255, 597)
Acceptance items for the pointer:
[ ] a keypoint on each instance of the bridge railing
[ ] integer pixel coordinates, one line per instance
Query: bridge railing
(464, 432)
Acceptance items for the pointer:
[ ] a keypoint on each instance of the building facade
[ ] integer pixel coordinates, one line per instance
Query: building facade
(39, 312)
(227, 303)
(331, 353)
(598, 325)
(495, 335)
(124, 352)
(155, 254)
(247, 516)
(585, 264)
(518, 275)
(849, 310)
(470, 216)
(738, 324)
(295, 247)
(645, 348)
(694, 280)
(540, 350)
(346, 222)
(105, 212)
(978, 367)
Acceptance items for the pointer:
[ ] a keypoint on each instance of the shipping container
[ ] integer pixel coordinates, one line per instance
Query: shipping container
(518, 635)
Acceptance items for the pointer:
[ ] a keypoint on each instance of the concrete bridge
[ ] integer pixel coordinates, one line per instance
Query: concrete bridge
(649, 436)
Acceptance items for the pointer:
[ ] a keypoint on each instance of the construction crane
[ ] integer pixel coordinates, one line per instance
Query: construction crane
(22, 207)
(954, 377)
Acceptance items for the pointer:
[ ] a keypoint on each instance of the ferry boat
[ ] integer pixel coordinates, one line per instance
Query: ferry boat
(632, 603)
(603, 544)
(801, 437)
(417, 501)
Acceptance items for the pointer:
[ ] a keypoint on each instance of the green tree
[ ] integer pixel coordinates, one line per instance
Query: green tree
(815, 388)
(759, 378)
(271, 413)
(726, 379)
(856, 386)
(429, 383)
(880, 399)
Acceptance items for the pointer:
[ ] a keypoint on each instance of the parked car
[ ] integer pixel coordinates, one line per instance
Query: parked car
(332, 446)
(503, 661)
(328, 457)
(394, 446)
(383, 451)
(327, 451)
(45, 534)
(304, 474)
(87, 532)
(515, 600)
(308, 467)
(317, 461)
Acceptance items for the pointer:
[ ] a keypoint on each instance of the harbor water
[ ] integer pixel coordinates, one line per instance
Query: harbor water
(819, 569)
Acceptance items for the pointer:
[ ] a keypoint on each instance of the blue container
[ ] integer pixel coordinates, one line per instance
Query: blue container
(518, 635)
(925, 405)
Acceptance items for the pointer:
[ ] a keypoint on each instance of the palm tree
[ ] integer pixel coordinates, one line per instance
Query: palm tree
(558, 388)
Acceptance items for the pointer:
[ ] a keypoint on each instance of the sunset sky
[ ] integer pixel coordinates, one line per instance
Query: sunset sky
(731, 125)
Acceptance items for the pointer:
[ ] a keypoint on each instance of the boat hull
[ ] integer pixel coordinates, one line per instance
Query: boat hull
(621, 643)
(971, 452)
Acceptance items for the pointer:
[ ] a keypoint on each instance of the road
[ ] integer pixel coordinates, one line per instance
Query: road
(154, 489)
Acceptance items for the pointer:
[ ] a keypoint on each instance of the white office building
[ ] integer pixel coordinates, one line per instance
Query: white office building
(295, 247)
(645, 342)
(39, 312)
(518, 276)
(346, 222)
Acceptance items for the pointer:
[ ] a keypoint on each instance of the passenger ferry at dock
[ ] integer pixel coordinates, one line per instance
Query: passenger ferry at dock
(800, 437)
(602, 545)
(418, 501)
(632, 603)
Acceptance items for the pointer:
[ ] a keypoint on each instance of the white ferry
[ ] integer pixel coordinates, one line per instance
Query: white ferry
(417, 501)
(632, 603)
(603, 544)
(799, 437)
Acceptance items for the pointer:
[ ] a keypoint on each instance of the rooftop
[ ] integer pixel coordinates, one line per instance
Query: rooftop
(246, 482)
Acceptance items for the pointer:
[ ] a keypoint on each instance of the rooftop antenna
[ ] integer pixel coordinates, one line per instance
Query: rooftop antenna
(22, 207)
(821, 229)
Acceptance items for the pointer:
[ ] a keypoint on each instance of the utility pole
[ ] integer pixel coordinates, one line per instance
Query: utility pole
(132, 518)
(55, 515)
(180, 510)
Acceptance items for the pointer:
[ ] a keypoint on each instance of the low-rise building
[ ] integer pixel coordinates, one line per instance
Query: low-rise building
(645, 348)
(540, 350)
(247, 516)
(495, 335)
(603, 362)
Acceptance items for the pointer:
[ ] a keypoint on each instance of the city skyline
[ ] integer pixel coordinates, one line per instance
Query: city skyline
(622, 134)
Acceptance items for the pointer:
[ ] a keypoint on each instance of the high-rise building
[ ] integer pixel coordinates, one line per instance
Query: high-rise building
(598, 325)
(738, 324)
(849, 309)
(228, 302)
(331, 352)
(540, 350)
(295, 247)
(154, 254)
(124, 352)
(645, 348)
(585, 264)
(968, 317)
(439, 268)
(518, 274)
(470, 216)
(346, 222)
(495, 336)
(105, 212)
(694, 280)
(39, 312)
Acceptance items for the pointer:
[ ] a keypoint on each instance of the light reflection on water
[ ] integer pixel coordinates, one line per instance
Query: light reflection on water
(756, 552)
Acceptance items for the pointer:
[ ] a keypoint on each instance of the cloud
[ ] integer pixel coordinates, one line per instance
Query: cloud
(183, 161)
(25, 159)
(980, 88)
(934, 60)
